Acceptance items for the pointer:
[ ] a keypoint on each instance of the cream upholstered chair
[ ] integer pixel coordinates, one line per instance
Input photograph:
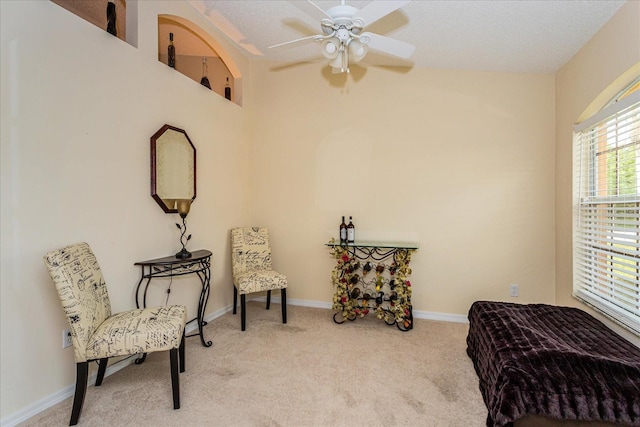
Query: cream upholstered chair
(96, 334)
(252, 270)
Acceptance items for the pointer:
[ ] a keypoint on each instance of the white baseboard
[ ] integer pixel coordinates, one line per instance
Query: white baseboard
(59, 396)
(440, 317)
(65, 393)
(428, 315)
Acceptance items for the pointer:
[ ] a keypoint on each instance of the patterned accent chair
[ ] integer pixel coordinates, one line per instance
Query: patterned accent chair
(252, 270)
(96, 334)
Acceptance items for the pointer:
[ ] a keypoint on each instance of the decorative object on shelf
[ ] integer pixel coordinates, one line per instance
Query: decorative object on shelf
(343, 39)
(227, 90)
(343, 231)
(173, 167)
(111, 18)
(183, 206)
(351, 231)
(204, 81)
(390, 287)
(171, 51)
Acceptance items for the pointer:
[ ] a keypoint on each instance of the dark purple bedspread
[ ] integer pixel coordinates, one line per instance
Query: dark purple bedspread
(557, 362)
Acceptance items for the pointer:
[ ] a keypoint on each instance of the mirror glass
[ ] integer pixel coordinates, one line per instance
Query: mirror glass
(173, 167)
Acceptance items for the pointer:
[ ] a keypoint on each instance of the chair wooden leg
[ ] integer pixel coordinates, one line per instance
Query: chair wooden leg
(102, 367)
(175, 379)
(243, 311)
(268, 299)
(235, 298)
(181, 353)
(82, 375)
(283, 296)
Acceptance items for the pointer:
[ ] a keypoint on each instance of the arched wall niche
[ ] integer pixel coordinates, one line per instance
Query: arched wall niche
(192, 45)
(95, 12)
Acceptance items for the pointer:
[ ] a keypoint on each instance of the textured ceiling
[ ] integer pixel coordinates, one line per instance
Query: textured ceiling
(500, 35)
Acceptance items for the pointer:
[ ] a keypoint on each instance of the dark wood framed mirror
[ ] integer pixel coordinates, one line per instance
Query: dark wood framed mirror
(173, 167)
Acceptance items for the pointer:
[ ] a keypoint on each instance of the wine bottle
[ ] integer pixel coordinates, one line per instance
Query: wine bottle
(111, 18)
(343, 231)
(351, 231)
(227, 90)
(171, 50)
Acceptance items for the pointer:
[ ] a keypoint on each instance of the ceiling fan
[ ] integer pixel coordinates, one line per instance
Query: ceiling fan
(343, 38)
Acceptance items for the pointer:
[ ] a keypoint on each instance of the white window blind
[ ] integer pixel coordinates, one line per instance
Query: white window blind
(606, 235)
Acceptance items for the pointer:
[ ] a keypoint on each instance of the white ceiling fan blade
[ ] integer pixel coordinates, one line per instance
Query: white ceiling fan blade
(378, 9)
(296, 42)
(388, 45)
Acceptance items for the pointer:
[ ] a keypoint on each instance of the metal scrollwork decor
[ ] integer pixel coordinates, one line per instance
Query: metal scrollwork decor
(373, 279)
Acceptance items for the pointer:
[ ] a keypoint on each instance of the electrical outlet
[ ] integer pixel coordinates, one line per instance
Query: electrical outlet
(66, 338)
(514, 290)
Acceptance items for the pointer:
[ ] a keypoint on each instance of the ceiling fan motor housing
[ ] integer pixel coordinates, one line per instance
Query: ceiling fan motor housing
(342, 14)
(344, 26)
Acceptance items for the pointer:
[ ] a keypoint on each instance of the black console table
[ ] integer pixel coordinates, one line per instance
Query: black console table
(170, 266)
(372, 277)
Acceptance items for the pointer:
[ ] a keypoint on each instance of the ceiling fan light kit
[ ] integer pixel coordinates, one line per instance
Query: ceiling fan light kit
(343, 39)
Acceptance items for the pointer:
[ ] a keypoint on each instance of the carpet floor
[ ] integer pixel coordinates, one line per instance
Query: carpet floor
(309, 372)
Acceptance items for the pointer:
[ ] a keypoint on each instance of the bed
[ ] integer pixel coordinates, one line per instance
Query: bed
(541, 363)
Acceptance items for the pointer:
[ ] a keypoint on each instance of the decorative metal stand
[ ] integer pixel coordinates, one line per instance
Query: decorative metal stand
(184, 253)
(372, 277)
(199, 264)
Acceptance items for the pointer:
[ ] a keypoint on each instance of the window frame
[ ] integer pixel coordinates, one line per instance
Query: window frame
(606, 229)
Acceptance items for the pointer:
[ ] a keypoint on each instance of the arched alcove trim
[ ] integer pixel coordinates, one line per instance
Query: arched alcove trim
(226, 58)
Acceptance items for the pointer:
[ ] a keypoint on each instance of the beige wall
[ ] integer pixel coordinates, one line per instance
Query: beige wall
(612, 52)
(78, 109)
(461, 161)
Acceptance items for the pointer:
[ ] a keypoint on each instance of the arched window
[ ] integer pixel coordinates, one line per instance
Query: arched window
(606, 231)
